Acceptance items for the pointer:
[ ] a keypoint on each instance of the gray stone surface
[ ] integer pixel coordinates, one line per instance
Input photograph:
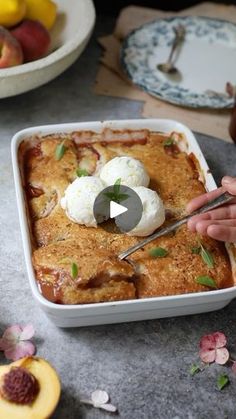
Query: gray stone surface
(144, 366)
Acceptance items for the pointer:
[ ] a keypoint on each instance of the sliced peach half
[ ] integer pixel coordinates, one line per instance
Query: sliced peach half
(29, 389)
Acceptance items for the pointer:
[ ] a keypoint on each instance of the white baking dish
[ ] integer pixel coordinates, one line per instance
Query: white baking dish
(121, 311)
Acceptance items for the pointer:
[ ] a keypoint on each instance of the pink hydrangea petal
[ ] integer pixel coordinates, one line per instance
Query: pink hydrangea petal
(207, 355)
(234, 367)
(27, 332)
(220, 339)
(222, 356)
(22, 349)
(12, 333)
(5, 344)
(207, 342)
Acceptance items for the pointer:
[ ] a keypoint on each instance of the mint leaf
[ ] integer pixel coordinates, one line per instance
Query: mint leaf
(196, 250)
(116, 197)
(158, 252)
(110, 195)
(194, 369)
(222, 381)
(168, 142)
(74, 270)
(60, 151)
(207, 281)
(81, 172)
(207, 257)
(122, 197)
(116, 186)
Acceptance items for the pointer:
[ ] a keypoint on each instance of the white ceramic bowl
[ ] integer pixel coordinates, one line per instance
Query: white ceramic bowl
(70, 35)
(118, 311)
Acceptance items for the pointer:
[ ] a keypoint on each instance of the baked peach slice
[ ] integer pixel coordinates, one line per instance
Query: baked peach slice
(29, 389)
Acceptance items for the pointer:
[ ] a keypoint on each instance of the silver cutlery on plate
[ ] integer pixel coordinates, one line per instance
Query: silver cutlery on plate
(169, 67)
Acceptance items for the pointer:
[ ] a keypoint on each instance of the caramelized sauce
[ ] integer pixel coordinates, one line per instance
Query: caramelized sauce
(141, 141)
(33, 191)
(51, 290)
(87, 157)
(31, 153)
(172, 150)
(86, 146)
(104, 277)
(194, 163)
(35, 151)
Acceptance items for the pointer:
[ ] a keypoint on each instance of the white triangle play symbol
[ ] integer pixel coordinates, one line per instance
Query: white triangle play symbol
(116, 209)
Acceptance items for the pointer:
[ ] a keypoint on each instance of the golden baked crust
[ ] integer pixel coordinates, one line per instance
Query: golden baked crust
(101, 276)
(177, 272)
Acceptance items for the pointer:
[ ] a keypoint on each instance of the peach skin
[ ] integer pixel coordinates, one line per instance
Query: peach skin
(34, 39)
(10, 50)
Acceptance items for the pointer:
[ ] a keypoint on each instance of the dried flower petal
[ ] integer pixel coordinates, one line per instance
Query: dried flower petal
(222, 356)
(20, 350)
(12, 333)
(212, 348)
(15, 342)
(4, 344)
(207, 342)
(234, 367)
(109, 407)
(99, 397)
(86, 401)
(215, 340)
(207, 355)
(27, 332)
(220, 339)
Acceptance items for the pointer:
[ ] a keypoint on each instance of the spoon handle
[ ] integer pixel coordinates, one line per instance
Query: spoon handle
(221, 200)
(179, 36)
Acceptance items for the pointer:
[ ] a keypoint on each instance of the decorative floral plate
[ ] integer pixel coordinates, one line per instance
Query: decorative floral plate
(206, 61)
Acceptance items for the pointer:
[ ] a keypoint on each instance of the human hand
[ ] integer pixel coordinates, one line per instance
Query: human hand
(220, 223)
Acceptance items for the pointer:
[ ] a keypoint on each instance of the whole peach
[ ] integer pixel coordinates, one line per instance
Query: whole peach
(34, 39)
(10, 50)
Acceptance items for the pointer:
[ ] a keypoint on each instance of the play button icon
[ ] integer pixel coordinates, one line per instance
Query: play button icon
(116, 209)
(119, 203)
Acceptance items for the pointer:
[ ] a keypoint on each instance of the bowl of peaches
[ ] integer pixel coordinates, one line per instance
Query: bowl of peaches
(39, 39)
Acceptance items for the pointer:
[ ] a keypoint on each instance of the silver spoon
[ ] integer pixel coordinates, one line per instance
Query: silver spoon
(221, 200)
(169, 67)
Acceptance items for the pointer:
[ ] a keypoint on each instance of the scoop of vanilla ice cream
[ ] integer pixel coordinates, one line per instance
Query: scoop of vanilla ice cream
(153, 215)
(131, 172)
(79, 199)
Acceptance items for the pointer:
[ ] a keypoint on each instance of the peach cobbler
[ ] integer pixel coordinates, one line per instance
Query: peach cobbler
(77, 264)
